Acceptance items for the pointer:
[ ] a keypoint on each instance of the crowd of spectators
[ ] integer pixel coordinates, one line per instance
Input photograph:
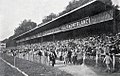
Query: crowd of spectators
(72, 50)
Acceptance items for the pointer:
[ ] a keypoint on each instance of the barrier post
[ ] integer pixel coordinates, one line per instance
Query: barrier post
(14, 60)
(84, 58)
(113, 61)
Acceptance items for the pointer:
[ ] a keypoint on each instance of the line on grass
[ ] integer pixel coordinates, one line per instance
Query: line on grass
(14, 67)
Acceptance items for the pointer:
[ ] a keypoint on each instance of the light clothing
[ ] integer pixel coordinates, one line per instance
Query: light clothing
(107, 59)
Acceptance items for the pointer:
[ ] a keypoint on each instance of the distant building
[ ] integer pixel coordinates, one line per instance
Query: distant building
(2, 46)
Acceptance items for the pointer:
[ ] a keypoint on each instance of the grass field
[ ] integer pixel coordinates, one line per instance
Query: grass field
(34, 69)
(6, 70)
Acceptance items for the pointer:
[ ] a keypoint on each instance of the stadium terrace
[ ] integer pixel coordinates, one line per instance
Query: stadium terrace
(92, 18)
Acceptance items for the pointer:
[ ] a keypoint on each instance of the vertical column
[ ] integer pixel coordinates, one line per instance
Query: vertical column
(41, 39)
(96, 58)
(53, 37)
(84, 57)
(113, 61)
(114, 21)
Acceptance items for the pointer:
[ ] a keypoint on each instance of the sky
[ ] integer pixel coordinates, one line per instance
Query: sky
(13, 12)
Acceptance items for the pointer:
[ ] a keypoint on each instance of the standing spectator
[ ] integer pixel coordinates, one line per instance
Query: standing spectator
(46, 56)
(107, 61)
(74, 57)
(40, 54)
(49, 59)
(69, 54)
(52, 58)
(61, 56)
(65, 57)
(113, 51)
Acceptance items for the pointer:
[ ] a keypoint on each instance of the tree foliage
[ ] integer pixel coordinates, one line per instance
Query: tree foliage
(77, 3)
(25, 25)
(49, 17)
(108, 2)
(72, 5)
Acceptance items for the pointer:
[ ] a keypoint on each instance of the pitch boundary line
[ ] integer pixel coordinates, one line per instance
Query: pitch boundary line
(14, 67)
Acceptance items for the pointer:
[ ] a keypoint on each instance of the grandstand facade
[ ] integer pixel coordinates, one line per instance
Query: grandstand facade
(93, 18)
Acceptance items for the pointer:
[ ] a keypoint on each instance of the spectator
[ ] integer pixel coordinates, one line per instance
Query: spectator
(69, 54)
(40, 54)
(52, 58)
(74, 57)
(107, 61)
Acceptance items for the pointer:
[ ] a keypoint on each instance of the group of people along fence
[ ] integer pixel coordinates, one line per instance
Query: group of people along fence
(73, 51)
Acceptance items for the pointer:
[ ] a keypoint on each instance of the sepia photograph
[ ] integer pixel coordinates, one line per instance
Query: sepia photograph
(59, 37)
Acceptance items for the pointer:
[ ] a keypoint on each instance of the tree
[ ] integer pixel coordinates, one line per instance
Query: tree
(49, 17)
(77, 3)
(108, 2)
(25, 25)
(72, 5)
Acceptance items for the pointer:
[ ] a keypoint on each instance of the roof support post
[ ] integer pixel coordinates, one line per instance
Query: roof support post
(41, 39)
(114, 22)
(53, 37)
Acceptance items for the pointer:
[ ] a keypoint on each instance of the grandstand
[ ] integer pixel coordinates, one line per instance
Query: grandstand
(93, 25)
(87, 32)
(91, 18)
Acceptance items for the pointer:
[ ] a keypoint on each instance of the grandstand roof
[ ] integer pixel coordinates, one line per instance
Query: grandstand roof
(93, 7)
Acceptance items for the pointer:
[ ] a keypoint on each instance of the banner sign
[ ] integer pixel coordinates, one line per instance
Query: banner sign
(77, 24)
(102, 17)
